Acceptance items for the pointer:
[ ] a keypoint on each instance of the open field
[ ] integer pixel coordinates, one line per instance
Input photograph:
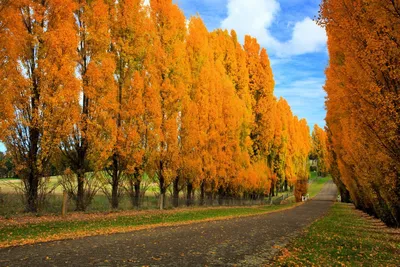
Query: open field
(8, 185)
(12, 203)
(345, 237)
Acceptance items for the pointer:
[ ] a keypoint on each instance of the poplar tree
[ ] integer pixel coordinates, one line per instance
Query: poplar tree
(42, 88)
(91, 140)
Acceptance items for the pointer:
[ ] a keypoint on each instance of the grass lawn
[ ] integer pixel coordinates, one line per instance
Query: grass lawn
(345, 237)
(313, 175)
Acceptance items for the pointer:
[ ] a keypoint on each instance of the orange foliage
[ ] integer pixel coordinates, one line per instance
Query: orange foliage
(363, 103)
(39, 78)
(151, 93)
(89, 144)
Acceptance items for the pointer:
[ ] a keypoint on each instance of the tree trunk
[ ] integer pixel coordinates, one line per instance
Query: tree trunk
(189, 194)
(33, 176)
(162, 199)
(175, 193)
(136, 196)
(210, 198)
(34, 134)
(32, 199)
(202, 193)
(80, 197)
(221, 196)
(162, 190)
(115, 183)
(344, 195)
(272, 190)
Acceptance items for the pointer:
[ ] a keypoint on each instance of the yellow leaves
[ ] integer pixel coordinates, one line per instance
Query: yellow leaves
(119, 81)
(361, 99)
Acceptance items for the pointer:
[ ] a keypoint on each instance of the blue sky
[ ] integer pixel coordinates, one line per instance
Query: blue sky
(296, 46)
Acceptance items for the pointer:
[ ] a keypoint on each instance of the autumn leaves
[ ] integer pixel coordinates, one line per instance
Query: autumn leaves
(120, 89)
(363, 102)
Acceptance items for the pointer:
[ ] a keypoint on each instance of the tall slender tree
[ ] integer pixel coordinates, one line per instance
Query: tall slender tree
(130, 34)
(172, 68)
(89, 145)
(43, 89)
(261, 86)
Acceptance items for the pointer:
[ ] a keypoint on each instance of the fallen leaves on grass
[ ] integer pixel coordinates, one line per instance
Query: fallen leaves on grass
(345, 237)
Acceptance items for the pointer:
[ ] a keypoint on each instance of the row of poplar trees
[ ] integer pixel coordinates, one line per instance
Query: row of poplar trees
(363, 86)
(128, 89)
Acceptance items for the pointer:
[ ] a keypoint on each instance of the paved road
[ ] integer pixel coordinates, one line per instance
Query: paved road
(249, 241)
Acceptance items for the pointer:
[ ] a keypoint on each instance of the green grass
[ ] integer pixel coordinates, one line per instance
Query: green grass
(313, 175)
(48, 229)
(344, 238)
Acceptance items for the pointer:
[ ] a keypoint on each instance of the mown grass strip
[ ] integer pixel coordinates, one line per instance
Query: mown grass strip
(344, 238)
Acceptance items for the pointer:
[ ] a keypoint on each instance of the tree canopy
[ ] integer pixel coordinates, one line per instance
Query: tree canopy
(363, 81)
(119, 89)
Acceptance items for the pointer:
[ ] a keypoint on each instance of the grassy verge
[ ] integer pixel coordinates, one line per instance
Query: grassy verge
(345, 237)
(55, 230)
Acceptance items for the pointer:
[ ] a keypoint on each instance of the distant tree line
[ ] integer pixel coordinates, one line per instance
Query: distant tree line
(7, 169)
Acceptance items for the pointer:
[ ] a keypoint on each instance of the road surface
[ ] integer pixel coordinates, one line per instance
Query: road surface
(247, 241)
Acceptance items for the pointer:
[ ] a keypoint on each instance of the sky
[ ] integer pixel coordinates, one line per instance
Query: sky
(295, 44)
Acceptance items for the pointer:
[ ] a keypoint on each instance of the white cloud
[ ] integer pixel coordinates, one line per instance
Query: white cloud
(255, 17)
(252, 17)
(307, 37)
